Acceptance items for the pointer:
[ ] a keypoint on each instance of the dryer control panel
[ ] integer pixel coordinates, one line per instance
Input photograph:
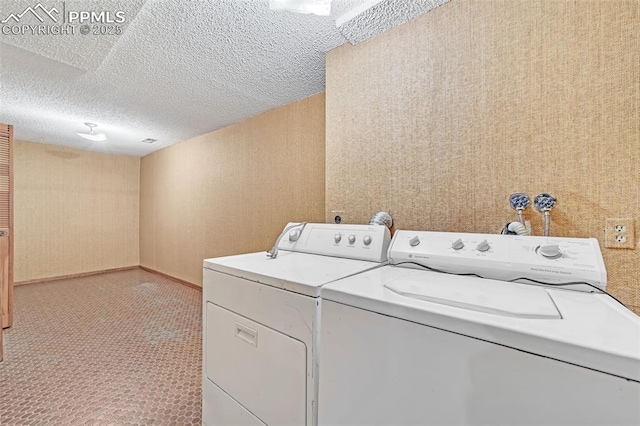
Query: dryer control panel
(361, 242)
(569, 262)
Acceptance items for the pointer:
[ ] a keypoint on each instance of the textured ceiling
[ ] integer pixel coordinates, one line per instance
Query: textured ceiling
(179, 69)
(381, 15)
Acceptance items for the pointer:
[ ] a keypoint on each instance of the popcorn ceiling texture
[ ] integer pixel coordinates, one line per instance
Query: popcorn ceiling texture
(180, 69)
(84, 52)
(384, 16)
(441, 119)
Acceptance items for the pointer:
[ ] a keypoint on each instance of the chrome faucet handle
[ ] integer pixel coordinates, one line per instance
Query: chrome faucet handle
(519, 201)
(544, 203)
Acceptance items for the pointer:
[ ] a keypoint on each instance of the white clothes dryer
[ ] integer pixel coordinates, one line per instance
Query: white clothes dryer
(261, 322)
(469, 329)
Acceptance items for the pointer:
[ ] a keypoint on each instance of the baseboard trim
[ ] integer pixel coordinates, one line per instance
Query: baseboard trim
(106, 271)
(70, 276)
(178, 280)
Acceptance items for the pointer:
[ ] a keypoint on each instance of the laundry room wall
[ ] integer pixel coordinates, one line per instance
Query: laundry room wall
(441, 119)
(75, 211)
(232, 190)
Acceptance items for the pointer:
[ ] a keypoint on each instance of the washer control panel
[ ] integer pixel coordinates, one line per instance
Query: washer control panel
(540, 260)
(362, 242)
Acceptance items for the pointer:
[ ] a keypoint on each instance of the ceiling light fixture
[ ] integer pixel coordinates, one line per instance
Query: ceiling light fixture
(92, 136)
(149, 140)
(316, 7)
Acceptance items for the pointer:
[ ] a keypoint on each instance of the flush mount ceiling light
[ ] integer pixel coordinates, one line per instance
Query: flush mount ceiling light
(149, 140)
(92, 136)
(316, 7)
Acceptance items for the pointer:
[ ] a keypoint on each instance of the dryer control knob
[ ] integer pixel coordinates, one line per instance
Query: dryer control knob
(352, 239)
(551, 251)
(366, 240)
(414, 241)
(337, 238)
(457, 244)
(483, 246)
(294, 235)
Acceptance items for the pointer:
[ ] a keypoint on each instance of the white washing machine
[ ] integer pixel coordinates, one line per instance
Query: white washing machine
(261, 322)
(409, 344)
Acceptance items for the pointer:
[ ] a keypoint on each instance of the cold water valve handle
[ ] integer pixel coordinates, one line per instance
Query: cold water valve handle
(519, 202)
(544, 203)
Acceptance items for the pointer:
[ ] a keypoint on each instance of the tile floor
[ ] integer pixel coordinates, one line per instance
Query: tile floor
(121, 348)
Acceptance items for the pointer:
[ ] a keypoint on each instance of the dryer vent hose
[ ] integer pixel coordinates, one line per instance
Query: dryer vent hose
(381, 218)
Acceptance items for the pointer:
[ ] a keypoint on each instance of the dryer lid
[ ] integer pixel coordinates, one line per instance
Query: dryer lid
(297, 272)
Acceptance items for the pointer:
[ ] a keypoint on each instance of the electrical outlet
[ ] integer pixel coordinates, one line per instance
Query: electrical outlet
(620, 233)
(621, 229)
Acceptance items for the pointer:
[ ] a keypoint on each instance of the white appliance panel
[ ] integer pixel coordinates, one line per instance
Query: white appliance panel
(222, 410)
(293, 314)
(297, 272)
(504, 257)
(263, 312)
(490, 296)
(261, 368)
(594, 330)
(379, 370)
(361, 242)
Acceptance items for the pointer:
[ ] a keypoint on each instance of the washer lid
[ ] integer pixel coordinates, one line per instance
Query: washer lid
(594, 331)
(490, 296)
(298, 272)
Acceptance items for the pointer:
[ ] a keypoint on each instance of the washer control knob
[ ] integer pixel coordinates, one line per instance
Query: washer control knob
(352, 239)
(366, 240)
(337, 238)
(550, 251)
(414, 241)
(294, 235)
(457, 244)
(483, 246)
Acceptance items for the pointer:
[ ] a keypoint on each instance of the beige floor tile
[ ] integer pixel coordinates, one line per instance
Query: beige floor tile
(122, 348)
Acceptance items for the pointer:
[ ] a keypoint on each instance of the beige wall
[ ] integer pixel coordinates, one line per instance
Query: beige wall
(75, 211)
(439, 120)
(232, 190)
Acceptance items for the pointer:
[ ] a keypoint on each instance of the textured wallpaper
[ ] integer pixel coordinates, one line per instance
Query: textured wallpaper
(75, 211)
(440, 119)
(232, 190)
